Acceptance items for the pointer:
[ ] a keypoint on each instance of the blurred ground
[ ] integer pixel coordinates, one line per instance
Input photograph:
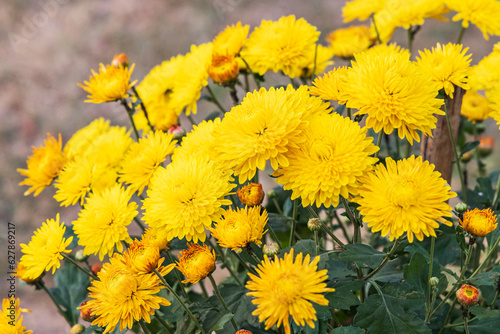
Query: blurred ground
(47, 47)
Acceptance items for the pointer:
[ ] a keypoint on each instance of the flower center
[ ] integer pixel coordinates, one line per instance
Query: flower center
(321, 150)
(288, 288)
(403, 193)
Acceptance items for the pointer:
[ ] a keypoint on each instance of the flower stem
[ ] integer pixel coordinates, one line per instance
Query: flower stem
(169, 288)
(273, 235)
(252, 73)
(214, 99)
(130, 113)
(41, 284)
(164, 324)
(493, 250)
(140, 224)
(143, 108)
(461, 35)
(385, 260)
(234, 94)
(495, 197)
(466, 319)
(221, 300)
(73, 262)
(316, 241)
(247, 267)
(455, 150)
(379, 141)
(144, 327)
(295, 210)
(376, 29)
(480, 168)
(431, 259)
(191, 119)
(176, 271)
(325, 228)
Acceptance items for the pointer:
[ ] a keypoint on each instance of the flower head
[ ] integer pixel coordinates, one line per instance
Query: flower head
(121, 297)
(120, 60)
(44, 251)
(196, 262)
(346, 42)
(110, 84)
(405, 196)
(199, 141)
(224, 69)
(264, 127)
(384, 84)
(142, 257)
(479, 222)
(83, 138)
(102, 224)
(331, 85)
(186, 197)
(447, 65)
(327, 164)
(21, 272)
(288, 287)
(157, 237)
(285, 45)
(43, 166)
(467, 295)
(361, 9)
(11, 320)
(251, 194)
(238, 228)
(484, 14)
(143, 159)
(475, 106)
(230, 41)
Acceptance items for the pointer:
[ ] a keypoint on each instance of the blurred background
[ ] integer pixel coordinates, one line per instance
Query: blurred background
(48, 46)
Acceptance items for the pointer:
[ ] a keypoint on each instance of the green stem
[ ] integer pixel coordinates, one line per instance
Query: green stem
(493, 250)
(295, 210)
(144, 327)
(130, 113)
(376, 29)
(214, 99)
(495, 198)
(316, 241)
(273, 235)
(379, 141)
(480, 168)
(342, 226)
(143, 228)
(325, 228)
(251, 72)
(176, 271)
(73, 262)
(466, 321)
(204, 292)
(143, 108)
(384, 261)
(164, 324)
(221, 300)
(448, 316)
(349, 113)
(233, 94)
(41, 284)
(276, 204)
(455, 150)
(431, 258)
(461, 35)
(247, 83)
(191, 119)
(410, 39)
(169, 288)
(245, 265)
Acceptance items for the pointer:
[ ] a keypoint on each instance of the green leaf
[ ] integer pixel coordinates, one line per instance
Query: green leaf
(461, 238)
(98, 330)
(483, 326)
(493, 237)
(70, 290)
(416, 273)
(216, 322)
(488, 278)
(484, 313)
(384, 315)
(363, 256)
(347, 330)
(279, 223)
(344, 295)
(469, 146)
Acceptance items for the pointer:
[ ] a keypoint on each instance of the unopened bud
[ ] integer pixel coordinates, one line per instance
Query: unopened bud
(314, 224)
(485, 146)
(223, 69)
(177, 131)
(433, 281)
(243, 331)
(271, 249)
(467, 295)
(272, 193)
(86, 313)
(80, 256)
(96, 268)
(466, 157)
(77, 329)
(120, 60)
(251, 194)
(461, 207)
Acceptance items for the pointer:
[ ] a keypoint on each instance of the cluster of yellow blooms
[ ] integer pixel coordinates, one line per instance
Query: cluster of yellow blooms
(320, 155)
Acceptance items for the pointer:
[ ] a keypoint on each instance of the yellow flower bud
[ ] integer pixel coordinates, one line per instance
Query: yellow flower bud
(479, 222)
(251, 194)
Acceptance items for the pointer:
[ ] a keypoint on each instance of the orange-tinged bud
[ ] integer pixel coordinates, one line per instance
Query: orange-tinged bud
(96, 268)
(77, 329)
(196, 262)
(223, 69)
(243, 331)
(479, 222)
(86, 313)
(120, 60)
(486, 146)
(466, 157)
(177, 131)
(467, 295)
(251, 194)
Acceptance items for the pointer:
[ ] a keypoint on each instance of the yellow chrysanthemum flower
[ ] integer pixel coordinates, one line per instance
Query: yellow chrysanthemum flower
(390, 89)
(11, 320)
(403, 13)
(486, 74)
(264, 127)
(335, 154)
(346, 42)
(287, 287)
(230, 41)
(110, 147)
(44, 251)
(361, 9)
(121, 297)
(102, 224)
(239, 228)
(76, 180)
(251, 195)
(186, 196)
(21, 272)
(199, 141)
(495, 103)
(83, 138)
(285, 45)
(475, 106)
(224, 69)
(447, 65)
(331, 85)
(144, 158)
(142, 257)
(196, 262)
(110, 84)
(484, 14)
(43, 166)
(158, 237)
(479, 222)
(405, 196)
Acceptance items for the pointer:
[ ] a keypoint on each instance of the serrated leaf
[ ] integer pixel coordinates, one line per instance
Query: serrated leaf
(484, 313)
(488, 278)
(384, 315)
(483, 326)
(347, 330)
(363, 256)
(70, 290)
(220, 322)
(344, 295)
